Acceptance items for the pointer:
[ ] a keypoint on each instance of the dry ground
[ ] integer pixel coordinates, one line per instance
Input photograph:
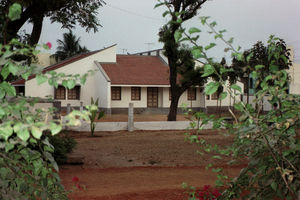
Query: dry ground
(139, 165)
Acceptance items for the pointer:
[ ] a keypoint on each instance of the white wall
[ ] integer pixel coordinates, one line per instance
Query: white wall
(183, 99)
(92, 85)
(294, 73)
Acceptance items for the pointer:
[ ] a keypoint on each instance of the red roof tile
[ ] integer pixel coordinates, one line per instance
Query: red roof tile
(137, 70)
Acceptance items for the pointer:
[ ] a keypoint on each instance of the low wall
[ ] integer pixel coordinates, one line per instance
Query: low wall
(119, 126)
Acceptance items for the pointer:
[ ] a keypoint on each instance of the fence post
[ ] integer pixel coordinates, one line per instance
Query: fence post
(68, 108)
(81, 106)
(130, 117)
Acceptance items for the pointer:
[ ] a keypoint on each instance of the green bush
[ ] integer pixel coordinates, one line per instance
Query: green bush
(62, 146)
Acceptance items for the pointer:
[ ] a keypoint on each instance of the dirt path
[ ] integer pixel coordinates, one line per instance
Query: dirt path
(139, 165)
(136, 182)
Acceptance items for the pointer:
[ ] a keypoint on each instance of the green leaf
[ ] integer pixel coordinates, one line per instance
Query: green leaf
(239, 56)
(211, 88)
(23, 134)
(36, 132)
(8, 88)
(204, 19)
(178, 35)
(159, 4)
(8, 147)
(257, 67)
(6, 132)
(197, 53)
(14, 12)
(2, 93)
(211, 45)
(13, 68)
(83, 80)
(165, 13)
(54, 128)
(274, 68)
(230, 41)
(274, 186)
(5, 72)
(194, 30)
(236, 87)
(71, 83)
(223, 95)
(65, 83)
(208, 70)
(41, 79)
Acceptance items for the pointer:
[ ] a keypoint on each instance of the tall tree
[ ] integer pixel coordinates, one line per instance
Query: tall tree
(260, 60)
(66, 12)
(180, 58)
(69, 46)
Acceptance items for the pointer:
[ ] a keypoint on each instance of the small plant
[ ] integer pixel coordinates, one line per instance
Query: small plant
(62, 146)
(94, 114)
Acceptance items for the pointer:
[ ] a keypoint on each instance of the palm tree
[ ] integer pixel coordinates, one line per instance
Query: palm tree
(69, 47)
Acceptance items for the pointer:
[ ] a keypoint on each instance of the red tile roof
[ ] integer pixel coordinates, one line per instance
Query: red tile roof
(137, 70)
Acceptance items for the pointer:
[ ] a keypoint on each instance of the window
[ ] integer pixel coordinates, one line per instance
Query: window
(170, 94)
(192, 94)
(207, 97)
(214, 96)
(135, 93)
(115, 93)
(60, 92)
(74, 94)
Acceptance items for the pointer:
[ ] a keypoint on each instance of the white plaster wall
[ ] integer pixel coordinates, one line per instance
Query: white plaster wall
(92, 85)
(44, 59)
(294, 73)
(183, 99)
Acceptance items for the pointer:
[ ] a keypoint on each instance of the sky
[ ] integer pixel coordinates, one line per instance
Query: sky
(134, 24)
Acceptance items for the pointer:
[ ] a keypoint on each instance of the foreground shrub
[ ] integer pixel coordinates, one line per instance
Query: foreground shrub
(63, 145)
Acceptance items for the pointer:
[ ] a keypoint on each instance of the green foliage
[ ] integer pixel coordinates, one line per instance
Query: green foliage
(69, 46)
(266, 142)
(63, 144)
(66, 13)
(27, 167)
(94, 114)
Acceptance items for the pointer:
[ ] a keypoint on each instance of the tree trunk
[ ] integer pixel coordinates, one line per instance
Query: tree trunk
(36, 30)
(173, 108)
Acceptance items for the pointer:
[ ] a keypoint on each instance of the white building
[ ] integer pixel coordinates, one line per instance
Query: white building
(119, 80)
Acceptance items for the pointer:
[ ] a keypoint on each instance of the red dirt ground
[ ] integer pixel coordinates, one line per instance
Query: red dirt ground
(139, 165)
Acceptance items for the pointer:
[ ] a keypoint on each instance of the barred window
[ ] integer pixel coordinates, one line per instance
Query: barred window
(60, 92)
(135, 93)
(214, 96)
(74, 94)
(115, 93)
(191, 94)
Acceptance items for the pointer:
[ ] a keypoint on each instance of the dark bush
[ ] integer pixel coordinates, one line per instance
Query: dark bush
(63, 145)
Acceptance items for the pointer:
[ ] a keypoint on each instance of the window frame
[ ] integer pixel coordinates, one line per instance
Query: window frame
(191, 94)
(134, 92)
(77, 93)
(113, 97)
(55, 92)
(214, 96)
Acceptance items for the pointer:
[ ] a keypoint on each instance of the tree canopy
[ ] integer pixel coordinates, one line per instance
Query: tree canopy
(66, 12)
(69, 46)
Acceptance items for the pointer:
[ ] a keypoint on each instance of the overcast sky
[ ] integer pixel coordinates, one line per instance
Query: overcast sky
(133, 24)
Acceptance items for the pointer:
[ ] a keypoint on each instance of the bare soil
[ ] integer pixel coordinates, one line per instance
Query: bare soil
(140, 165)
